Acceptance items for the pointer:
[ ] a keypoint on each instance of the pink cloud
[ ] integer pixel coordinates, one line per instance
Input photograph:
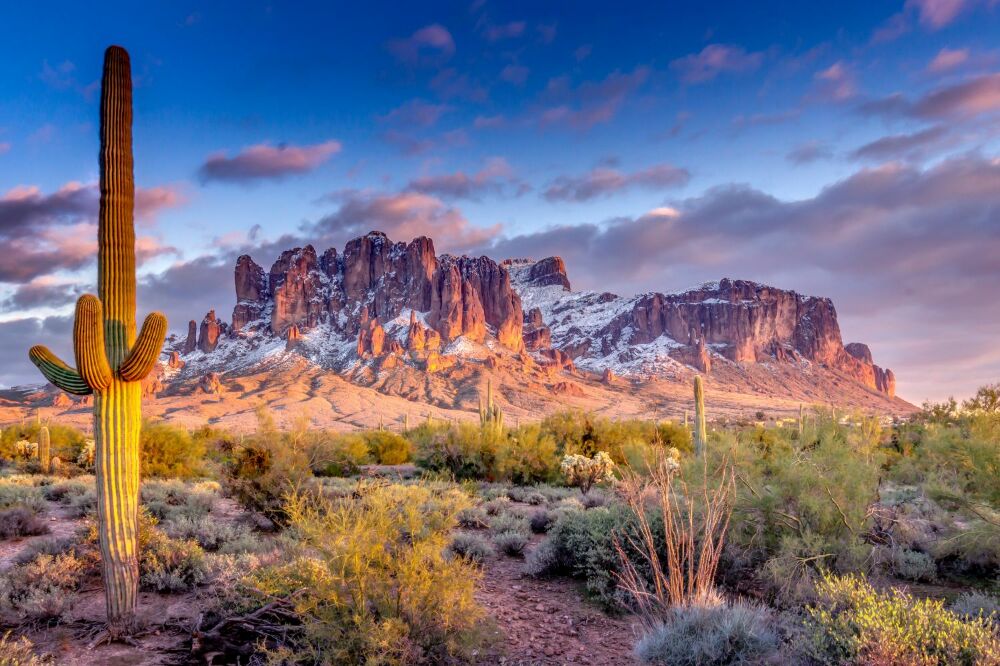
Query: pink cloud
(263, 161)
(604, 181)
(716, 59)
(430, 44)
(416, 113)
(947, 59)
(515, 74)
(591, 102)
(496, 33)
(496, 177)
(936, 14)
(836, 82)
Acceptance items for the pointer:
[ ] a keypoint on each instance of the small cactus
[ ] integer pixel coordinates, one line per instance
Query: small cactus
(490, 414)
(801, 421)
(44, 450)
(700, 431)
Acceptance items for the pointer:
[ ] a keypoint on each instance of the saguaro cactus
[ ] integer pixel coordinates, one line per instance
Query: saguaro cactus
(490, 414)
(110, 359)
(700, 432)
(44, 450)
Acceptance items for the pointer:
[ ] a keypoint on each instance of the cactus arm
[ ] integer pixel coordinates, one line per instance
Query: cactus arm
(57, 372)
(141, 359)
(88, 343)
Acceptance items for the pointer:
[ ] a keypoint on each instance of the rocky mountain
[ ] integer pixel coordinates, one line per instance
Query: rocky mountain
(385, 328)
(392, 303)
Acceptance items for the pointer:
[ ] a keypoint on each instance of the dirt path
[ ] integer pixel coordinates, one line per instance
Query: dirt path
(548, 621)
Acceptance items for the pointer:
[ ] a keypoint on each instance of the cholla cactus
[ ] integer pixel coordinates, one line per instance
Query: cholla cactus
(490, 415)
(26, 449)
(584, 472)
(44, 450)
(86, 457)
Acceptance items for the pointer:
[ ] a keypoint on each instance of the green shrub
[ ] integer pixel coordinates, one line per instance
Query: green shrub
(971, 605)
(543, 560)
(527, 456)
(471, 547)
(171, 499)
(383, 591)
(47, 546)
(508, 522)
(473, 518)
(14, 493)
(388, 448)
(718, 633)
(264, 472)
(853, 623)
(510, 543)
(541, 520)
(207, 532)
(337, 454)
(168, 451)
(169, 565)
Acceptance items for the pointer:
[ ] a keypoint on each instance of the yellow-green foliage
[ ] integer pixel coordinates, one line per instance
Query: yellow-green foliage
(853, 623)
(387, 448)
(528, 455)
(371, 582)
(65, 441)
(336, 454)
(20, 652)
(169, 451)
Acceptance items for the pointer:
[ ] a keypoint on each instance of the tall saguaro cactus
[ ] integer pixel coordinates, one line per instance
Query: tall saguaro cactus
(700, 432)
(110, 359)
(490, 414)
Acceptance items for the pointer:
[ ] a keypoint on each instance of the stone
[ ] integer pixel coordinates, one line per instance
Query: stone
(191, 343)
(209, 332)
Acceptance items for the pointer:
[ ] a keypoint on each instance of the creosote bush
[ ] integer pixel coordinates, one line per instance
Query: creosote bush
(471, 547)
(387, 448)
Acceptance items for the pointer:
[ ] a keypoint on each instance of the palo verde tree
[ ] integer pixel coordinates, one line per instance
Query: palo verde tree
(110, 359)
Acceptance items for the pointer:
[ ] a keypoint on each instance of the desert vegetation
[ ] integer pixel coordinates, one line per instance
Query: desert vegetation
(837, 538)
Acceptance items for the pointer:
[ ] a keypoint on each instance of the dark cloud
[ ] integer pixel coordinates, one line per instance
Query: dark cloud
(902, 146)
(20, 335)
(603, 181)
(975, 97)
(265, 162)
(495, 178)
(41, 293)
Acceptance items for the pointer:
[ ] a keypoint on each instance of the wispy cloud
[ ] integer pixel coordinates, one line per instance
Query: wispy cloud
(590, 103)
(432, 44)
(716, 59)
(808, 152)
(605, 181)
(266, 162)
(495, 178)
(902, 146)
(496, 33)
(947, 59)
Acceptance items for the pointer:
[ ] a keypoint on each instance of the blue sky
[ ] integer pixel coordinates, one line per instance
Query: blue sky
(840, 149)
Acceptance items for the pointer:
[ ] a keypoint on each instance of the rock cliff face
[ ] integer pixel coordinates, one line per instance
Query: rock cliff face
(375, 279)
(392, 303)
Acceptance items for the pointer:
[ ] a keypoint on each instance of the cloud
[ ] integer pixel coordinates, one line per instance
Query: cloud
(604, 181)
(902, 146)
(496, 178)
(62, 77)
(402, 215)
(54, 332)
(936, 14)
(515, 74)
(449, 84)
(416, 113)
(716, 59)
(42, 292)
(265, 162)
(489, 122)
(835, 83)
(947, 59)
(808, 152)
(432, 44)
(496, 33)
(966, 100)
(46, 233)
(591, 102)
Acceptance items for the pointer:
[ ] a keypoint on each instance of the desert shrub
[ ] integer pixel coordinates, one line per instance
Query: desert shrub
(711, 633)
(464, 451)
(541, 520)
(388, 448)
(20, 652)
(169, 565)
(510, 543)
(168, 451)
(673, 436)
(337, 455)
(14, 493)
(508, 522)
(66, 441)
(912, 565)
(172, 499)
(61, 491)
(43, 588)
(83, 504)
(527, 456)
(497, 505)
(971, 605)
(207, 532)
(20, 521)
(383, 591)
(472, 547)
(536, 498)
(264, 472)
(47, 546)
(474, 517)
(543, 559)
(592, 500)
(853, 623)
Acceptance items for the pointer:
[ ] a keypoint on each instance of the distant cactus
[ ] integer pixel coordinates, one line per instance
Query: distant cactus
(111, 360)
(801, 421)
(406, 422)
(490, 414)
(44, 450)
(700, 431)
